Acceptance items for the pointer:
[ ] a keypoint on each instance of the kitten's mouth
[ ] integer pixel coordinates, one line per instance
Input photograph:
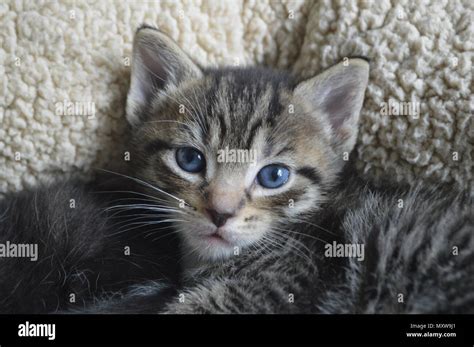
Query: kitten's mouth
(216, 237)
(212, 236)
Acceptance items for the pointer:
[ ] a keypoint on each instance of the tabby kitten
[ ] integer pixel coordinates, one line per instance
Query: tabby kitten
(257, 232)
(184, 116)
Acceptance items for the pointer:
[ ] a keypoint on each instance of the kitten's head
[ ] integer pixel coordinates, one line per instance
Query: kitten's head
(245, 149)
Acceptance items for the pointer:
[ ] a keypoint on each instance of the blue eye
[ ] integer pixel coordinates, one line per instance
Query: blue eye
(273, 176)
(190, 159)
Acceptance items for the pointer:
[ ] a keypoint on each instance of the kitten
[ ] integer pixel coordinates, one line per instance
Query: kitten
(184, 116)
(260, 232)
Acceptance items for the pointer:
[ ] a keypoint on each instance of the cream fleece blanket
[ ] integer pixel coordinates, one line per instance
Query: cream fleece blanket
(64, 70)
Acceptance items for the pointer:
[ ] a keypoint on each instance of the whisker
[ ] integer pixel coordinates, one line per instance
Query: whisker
(314, 225)
(141, 224)
(293, 239)
(133, 192)
(166, 234)
(150, 207)
(154, 231)
(278, 242)
(146, 184)
(137, 217)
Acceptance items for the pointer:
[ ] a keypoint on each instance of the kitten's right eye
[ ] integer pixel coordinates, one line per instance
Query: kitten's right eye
(190, 159)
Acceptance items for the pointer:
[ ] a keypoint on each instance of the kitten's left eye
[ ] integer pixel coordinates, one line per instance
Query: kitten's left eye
(273, 176)
(190, 159)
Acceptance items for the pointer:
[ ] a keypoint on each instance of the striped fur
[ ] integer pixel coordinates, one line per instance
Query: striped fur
(419, 259)
(411, 265)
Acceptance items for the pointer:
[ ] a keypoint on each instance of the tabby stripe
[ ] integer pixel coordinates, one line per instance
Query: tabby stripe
(156, 146)
(268, 148)
(253, 131)
(284, 149)
(213, 303)
(310, 173)
(274, 106)
(222, 124)
(275, 296)
(237, 299)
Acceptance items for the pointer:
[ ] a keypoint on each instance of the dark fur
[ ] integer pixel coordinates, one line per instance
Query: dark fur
(79, 251)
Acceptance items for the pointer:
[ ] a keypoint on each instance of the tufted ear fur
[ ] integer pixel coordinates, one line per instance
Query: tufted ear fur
(158, 64)
(338, 94)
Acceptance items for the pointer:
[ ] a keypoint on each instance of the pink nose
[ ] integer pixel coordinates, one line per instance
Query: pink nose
(219, 219)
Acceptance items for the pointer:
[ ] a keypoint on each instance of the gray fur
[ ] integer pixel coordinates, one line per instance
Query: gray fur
(409, 251)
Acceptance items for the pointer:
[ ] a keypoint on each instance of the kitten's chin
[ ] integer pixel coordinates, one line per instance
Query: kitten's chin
(210, 247)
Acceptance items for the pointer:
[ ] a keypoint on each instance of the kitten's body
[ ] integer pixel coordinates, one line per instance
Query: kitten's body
(408, 251)
(258, 242)
(409, 264)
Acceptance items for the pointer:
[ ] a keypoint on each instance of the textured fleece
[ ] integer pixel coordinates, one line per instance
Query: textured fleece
(79, 51)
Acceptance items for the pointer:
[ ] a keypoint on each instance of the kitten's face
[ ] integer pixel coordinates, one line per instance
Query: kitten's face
(241, 151)
(283, 161)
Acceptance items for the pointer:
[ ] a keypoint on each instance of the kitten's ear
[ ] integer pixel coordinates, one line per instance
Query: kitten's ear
(338, 94)
(158, 64)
